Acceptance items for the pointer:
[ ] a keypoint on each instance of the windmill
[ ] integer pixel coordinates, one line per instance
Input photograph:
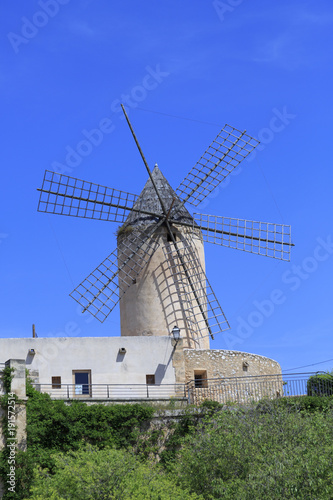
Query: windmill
(157, 271)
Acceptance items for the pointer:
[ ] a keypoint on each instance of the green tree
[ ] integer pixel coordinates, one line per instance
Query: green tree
(270, 452)
(91, 473)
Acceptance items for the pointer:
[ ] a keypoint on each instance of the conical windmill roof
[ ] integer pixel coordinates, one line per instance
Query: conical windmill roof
(148, 201)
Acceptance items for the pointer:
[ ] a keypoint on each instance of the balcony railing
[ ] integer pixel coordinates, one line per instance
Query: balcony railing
(253, 388)
(113, 391)
(241, 390)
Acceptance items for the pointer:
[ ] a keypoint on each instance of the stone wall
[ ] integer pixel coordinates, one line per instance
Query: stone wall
(231, 376)
(220, 363)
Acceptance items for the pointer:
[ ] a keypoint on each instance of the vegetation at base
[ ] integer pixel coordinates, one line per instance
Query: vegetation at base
(272, 449)
(53, 426)
(92, 473)
(320, 385)
(57, 426)
(7, 377)
(6, 403)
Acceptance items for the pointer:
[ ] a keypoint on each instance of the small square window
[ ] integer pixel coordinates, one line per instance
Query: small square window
(150, 379)
(56, 382)
(200, 378)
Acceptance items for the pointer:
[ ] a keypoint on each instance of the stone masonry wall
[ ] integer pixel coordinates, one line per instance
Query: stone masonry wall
(222, 363)
(231, 376)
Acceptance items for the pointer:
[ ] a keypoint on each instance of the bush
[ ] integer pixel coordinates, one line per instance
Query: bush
(297, 404)
(52, 426)
(211, 405)
(56, 426)
(251, 454)
(106, 474)
(320, 385)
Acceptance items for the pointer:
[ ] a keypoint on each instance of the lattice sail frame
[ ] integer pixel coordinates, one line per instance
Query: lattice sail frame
(228, 149)
(197, 322)
(261, 238)
(99, 293)
(64, 195)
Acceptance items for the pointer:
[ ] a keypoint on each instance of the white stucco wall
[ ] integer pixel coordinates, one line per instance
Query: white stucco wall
(60, 356)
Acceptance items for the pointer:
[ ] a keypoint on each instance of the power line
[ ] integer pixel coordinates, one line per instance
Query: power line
(306, 366)
(178, 117)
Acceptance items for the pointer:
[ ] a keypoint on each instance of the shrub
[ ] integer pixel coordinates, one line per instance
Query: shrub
(115, 474)
(320, 385)
(250, 454)
(211, 405)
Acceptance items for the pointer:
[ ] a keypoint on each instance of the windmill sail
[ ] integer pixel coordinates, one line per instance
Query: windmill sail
(64, 195)
(229, 148)
(203, 313)
(101, 291)
(261, 238)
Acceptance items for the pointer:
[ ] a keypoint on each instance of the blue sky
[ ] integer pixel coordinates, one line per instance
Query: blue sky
(184, 69)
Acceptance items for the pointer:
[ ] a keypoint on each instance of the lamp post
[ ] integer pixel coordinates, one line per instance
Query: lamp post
(176, 333)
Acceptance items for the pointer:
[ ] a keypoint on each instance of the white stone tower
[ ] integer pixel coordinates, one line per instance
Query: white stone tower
(157, 300)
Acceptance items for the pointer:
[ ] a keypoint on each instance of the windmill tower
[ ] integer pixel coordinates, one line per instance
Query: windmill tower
(160, 296)
(157, 271)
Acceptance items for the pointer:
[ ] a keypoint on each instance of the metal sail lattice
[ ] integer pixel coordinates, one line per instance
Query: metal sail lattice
(101, 291)
(64, 195)
(203, 313)
(261, 238)
(229, 148)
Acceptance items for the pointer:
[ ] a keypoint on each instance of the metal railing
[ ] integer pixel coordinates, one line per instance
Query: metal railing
(253, 388)
(113, 391)
(240, 390)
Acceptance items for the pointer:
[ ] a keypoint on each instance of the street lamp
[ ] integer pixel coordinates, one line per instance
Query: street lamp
(176, 333)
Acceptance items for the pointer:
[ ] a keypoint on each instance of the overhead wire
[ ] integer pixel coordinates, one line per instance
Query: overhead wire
(306, 366)
(179, 117)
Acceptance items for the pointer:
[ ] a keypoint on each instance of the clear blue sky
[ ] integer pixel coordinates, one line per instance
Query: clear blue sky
(261, 66)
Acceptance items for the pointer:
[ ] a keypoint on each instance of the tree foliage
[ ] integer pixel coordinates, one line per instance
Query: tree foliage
(268, 452)
(92, 473)
(320, 385)
(272, 450)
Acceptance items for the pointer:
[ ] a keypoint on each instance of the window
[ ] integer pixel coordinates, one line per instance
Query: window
(82, 382)
(56, 382)
(169, 237)
(150, 379)
(245, 366)
(200, 378)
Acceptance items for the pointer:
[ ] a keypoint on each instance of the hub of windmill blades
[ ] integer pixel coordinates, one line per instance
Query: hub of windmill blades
(157, 223)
